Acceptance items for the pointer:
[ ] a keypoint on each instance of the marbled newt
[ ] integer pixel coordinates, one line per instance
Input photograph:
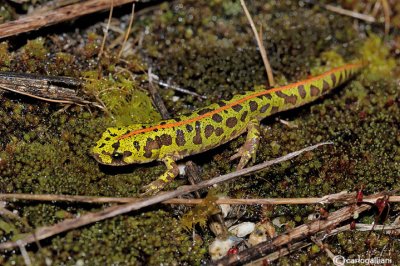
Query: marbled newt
(211, 126)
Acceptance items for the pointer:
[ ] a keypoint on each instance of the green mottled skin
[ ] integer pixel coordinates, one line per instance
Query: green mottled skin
(209, 127)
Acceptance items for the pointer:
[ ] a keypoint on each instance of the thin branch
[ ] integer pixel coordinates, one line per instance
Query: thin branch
(386, 14)
(89, 218)
(167, 85)
(103, 42)
(260, 45)
(128, 31)
(280, 253)
(157, 100)
(333, 198)
(24, 253)
(66, 13)
(350, 13)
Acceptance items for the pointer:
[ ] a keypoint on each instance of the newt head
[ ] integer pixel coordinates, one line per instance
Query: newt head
(114, 149)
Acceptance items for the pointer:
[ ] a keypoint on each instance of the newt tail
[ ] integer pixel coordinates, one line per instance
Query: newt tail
(206, 128)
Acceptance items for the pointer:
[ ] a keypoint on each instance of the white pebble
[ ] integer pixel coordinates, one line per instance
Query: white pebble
(242, 229)
(175, 98)
(219, 248)
(182, 169)
(277, 222)
(225, 208)
(262, 232)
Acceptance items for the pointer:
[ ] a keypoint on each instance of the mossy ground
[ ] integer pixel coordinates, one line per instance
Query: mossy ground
(208, 48)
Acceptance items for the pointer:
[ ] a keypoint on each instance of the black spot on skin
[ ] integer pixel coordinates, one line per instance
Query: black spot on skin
(182, 154)
(314, 91)
(231, 122)
(302, 91)
(197, 138)
(288, 98)
(208, 131)
(113, 134)
(264, 108)
(102, 145)
(237, 107)
(333, 78)
(221, 103)
(217, 118)
(136, 145)
(268, 96)
(177, 119)
(253, 106)
(150, 145)
(204, 111)
(274, 109)
(189, 128)
(127, 154)
(340, 78)
(163, 122)
(233, 134)
(115, 145)
(219, 131)
(107, 139)
(155, 130)
(345, 74)
(244, 115)
(325, 86)
(164, 140)
(180, 137)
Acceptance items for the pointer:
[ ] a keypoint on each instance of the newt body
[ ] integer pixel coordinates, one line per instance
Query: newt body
(211, 126)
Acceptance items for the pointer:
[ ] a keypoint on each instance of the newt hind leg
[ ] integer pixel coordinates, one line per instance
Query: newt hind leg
(169, 175)
(249, 149)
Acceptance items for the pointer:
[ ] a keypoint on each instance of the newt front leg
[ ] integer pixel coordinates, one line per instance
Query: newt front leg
(249, 149)
(169, 175)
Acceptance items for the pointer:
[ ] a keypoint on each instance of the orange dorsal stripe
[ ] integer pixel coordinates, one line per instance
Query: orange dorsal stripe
(218, 110)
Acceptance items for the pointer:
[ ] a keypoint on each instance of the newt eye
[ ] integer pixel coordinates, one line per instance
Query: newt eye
(117, 155)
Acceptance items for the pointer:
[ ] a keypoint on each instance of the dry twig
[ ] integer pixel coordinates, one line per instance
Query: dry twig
(157, 100)
(386, 14)
(103, 42)
(260, 45)
(167, 85)
(344, 197)
(350, 13)
(37, 21)
(68, 224)
(47, 88)
(128, 31)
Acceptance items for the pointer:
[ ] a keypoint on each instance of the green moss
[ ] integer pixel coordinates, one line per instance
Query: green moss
(377, 55)
(6, 12)
(201, 212)
(127, 240)
(5, 57)
(196, 45)
(122, 98)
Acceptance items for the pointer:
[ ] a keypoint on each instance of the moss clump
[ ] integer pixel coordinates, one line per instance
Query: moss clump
(201, 213)
(141, 239)
(122, 98)
(377, 55)
(6, 12)
(5, 57)
(34, 55)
